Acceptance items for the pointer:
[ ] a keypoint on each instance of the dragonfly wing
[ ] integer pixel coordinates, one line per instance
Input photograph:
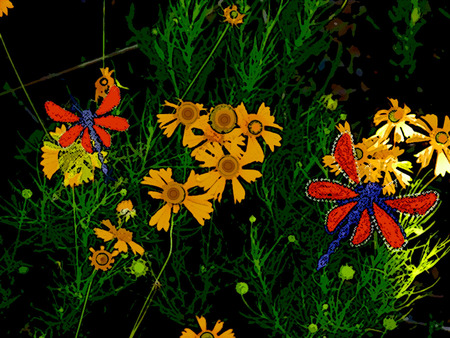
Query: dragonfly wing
(104, 136)
(337, 215)
(419, 204)
(389, 228)
(59, 114)
(363, 230)
(344, 155)
(86, 141)
(329, 191)
(112, 122)
(111, 101)
(70, 136)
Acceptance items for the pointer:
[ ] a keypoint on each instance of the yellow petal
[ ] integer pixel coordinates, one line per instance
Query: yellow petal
(199, 206)
(442, 164)
(103, 234)
(424, 156)
(217, 327)
(121, 246)
(271, 139)
(188, 333)
(254, 148)
(162, 217)
(136, 248)
(250, 175)
(238, 190)
(207, 180)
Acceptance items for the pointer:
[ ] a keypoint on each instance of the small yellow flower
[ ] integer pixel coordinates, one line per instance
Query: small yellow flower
(123, 237)
(75, 163)
(4, 5)
(395, 118)
(176, 194)
(102, 259)
(254, 126)
(186, 113)
(390, 164)
(439, 140)
(205, 333)
(232, 16)
(125, 208)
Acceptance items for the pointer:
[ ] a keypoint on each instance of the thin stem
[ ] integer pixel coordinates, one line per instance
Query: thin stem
(22, 86)
(76, 237)
(85, 302)
(154, 287)
(20, 228)
(206, 61)
(82, 65)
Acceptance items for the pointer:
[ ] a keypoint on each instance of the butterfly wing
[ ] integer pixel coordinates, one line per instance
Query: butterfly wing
(343, 152)
(418, 204)
(111, 101)
(59, 114)
(389, 228)
(329, 191)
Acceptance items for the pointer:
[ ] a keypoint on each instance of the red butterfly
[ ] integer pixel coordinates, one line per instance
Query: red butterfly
(363, 208)
(89, 125)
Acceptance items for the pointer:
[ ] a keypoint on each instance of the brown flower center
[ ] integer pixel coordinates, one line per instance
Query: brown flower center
(124, 235)
(441, 137)
(103, 81)
(223, 118)
(255, 127)
(102, 259)
(188, 113)
(359, 153)
(228, 166)
(395, 115)
(174, 193)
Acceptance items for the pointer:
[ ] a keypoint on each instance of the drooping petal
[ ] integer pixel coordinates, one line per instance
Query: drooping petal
(442, 164)
(162, 217)
(121, 246)
(199, 206)
(104, 136)
(424, 156)
(112, 122)
(238, 190)
(254, 148)
(111, 101)
(136, 248)
(59, 114)
(271, 139)
(70, 136)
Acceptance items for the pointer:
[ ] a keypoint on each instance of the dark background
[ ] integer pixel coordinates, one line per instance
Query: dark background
(45, 37)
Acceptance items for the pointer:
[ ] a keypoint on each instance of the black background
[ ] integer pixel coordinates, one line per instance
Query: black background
(45, 37)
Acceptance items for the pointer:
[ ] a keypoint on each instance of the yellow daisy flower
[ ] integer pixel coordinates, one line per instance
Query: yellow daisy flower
(75, 163)
(232, 16)
(176, 194)
(395, 118)
(103, 83)
(227, 167)
(439, 139)
(186, 113)
(253, 126)
(125, 208)
(4, 5)
(205, 333)
(123, 236)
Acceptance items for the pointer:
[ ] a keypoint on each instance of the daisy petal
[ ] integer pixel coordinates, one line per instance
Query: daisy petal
(161, 218)
(238, 190)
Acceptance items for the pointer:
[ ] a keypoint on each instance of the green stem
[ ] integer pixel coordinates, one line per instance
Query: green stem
(85, 302)
(76, 239)
(20, 227)
(206, 61)
(23, 87)
(152, 292)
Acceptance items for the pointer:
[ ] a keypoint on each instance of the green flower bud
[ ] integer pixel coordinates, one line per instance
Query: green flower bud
(346, 272)
(313, 328)
(242, 288)
(27, 193)
(389, 324)
(23, 270)
(123, 192)
(291, 238)
(252, 219)
(325, 307)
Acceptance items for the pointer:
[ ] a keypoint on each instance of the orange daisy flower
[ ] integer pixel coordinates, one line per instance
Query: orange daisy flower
(395, 118)
(176, 194)
(103, 83)
(232, 16)
(439, 139)
(4, 5)
(253, 126)
(186, 113)
(102, 259)
(123, 236)
(205, 333)
(226, 167)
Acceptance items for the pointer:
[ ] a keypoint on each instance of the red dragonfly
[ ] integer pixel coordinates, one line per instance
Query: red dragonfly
(363, 208)
(89, 125)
